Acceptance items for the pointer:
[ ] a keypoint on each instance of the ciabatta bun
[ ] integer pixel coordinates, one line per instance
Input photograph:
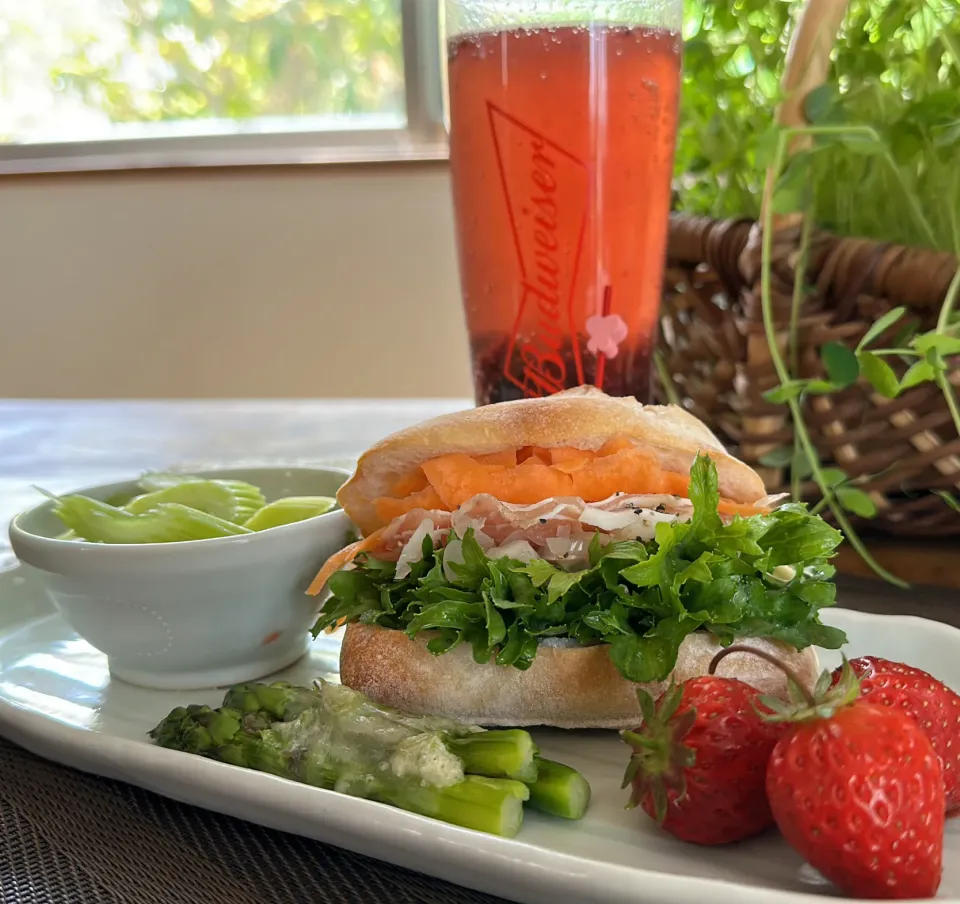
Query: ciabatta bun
(566, 687)
(584, 418)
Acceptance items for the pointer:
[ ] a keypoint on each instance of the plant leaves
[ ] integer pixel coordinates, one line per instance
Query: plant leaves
(881, 326)
(945, 345)
(841, 364)
(856, 501)
(801, 467)
(561, 582)
(766, 149)
(863, 143)
(833, 476)
(919, 372)
(645, 658)
(777, 458)
(880, 374)
(821, 104)
(935, 360)
(792, 389)
(539, 571)
(949, 498)
(822, 387)
(794, 191)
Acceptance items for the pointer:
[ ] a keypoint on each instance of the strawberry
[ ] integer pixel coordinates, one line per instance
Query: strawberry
(700, 759)
(934, 706)
(857, 789)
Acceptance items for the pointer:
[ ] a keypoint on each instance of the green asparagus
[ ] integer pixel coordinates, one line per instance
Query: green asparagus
(498, 754)
(333, 737)
(495, 754)
(559, 790)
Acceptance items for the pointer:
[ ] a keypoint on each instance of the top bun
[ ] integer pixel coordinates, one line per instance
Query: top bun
(584, 418)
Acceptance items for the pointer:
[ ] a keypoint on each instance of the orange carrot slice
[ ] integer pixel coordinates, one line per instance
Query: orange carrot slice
(458, 478)
(344, 557)
(388, 508)
(411, 483)
(507, 458)
(568, 460)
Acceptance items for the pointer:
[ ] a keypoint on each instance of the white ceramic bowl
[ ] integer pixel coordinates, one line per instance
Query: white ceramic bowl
(204, 613)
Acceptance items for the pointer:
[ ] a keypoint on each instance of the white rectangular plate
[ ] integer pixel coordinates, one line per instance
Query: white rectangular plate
(57, 700)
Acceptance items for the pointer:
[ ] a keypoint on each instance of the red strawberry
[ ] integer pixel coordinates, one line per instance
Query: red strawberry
(700, 760)
(857, 789)
(934, 706)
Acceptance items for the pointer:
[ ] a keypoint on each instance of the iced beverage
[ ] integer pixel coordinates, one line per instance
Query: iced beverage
(561, 146)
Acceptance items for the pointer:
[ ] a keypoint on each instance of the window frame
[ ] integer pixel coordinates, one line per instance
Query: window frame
(424, 137)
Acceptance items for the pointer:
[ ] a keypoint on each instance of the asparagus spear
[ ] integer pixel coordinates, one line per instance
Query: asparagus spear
(409, 768)
(498, 754)
(559, 790)
(495, 754)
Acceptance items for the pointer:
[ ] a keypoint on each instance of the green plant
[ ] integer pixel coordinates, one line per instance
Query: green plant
(896, 69)
(877, 159)
(923, 356)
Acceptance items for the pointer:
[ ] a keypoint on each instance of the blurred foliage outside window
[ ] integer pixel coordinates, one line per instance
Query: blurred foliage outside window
(78, 70)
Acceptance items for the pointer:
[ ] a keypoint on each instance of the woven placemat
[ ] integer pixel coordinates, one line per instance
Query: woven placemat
(71, 838)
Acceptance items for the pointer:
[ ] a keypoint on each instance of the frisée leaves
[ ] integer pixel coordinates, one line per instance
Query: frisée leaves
(641, 598)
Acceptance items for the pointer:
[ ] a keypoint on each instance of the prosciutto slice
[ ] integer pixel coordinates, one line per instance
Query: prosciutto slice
(559, 530)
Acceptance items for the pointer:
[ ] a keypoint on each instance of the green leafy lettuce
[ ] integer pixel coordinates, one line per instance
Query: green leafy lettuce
(640, 598)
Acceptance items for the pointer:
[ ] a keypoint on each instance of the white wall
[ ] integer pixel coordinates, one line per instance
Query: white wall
(323, 281)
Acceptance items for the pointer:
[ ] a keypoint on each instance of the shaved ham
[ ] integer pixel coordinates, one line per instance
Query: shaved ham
(452, 555)
(396, 535)
(520, 550)
(412, 551)
(608, 521)
(559, 529)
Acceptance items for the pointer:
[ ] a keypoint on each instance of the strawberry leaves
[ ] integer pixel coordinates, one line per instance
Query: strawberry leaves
(660, 759)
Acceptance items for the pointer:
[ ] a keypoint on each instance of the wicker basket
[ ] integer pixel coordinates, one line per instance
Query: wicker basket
(715, 351)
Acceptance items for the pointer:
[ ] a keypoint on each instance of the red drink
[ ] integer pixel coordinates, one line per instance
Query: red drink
(561, 148)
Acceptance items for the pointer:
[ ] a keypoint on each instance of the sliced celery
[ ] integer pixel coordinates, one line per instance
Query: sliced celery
(169, 522)
(289, 510)
(232, 500)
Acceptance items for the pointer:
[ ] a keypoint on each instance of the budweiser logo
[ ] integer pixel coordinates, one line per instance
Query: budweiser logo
(546, 190)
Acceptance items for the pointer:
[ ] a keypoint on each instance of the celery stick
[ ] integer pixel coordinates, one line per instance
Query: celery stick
(289, 510)
(169, 522)
(231, 500)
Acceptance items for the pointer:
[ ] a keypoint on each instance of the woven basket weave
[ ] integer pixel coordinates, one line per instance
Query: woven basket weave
(715, 351)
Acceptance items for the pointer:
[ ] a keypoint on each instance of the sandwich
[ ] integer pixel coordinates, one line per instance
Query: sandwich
(534, 562)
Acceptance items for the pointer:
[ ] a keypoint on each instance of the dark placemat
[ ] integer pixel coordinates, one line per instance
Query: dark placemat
(71, 838)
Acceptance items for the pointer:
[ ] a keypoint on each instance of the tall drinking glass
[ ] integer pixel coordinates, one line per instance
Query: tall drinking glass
(563, 120)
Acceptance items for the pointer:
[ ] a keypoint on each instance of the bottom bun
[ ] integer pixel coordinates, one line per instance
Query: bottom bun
(566, 687)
